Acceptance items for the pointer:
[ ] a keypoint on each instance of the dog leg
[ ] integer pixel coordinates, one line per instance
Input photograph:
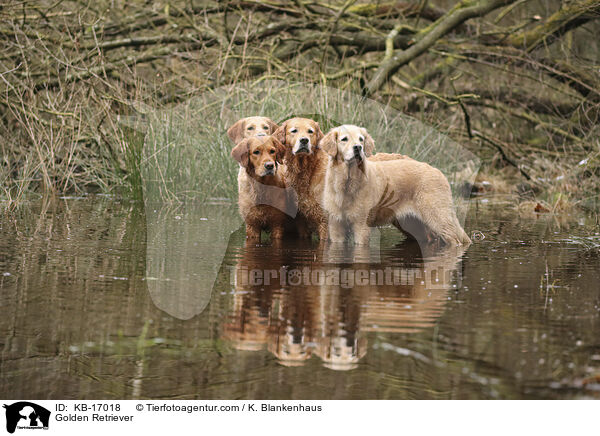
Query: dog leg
(252, 233)
(323, 234)
(337, 230)
(277, 232)
(302, 228)
(362, 233)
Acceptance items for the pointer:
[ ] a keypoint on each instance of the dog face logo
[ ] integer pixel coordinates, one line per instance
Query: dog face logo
(26, 415)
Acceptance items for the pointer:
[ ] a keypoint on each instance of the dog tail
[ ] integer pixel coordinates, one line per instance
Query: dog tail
(452, 232)
(459, 233)
(463, 237)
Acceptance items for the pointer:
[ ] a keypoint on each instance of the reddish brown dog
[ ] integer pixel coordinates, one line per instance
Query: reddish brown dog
(305, 166)
(263, 200)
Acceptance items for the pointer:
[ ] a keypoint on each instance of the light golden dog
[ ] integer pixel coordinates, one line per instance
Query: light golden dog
(251, 126)
(263, 200)
(359, 194)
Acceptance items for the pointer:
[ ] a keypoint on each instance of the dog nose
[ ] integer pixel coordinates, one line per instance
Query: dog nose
(269, 166)
(357, 148)
(261, 134)
(304, 141)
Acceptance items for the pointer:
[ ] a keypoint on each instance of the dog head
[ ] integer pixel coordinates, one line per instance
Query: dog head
(302, 135)
(341, 353)
(289, 349)
(351, 144)
(260, 155)
(251, 126)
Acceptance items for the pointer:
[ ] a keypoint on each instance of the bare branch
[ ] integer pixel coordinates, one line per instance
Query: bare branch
(464, 11)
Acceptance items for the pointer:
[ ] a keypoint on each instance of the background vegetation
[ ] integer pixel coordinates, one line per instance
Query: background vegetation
(516, 82)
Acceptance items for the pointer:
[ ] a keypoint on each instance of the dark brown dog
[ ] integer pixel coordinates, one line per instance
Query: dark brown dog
(305, 172)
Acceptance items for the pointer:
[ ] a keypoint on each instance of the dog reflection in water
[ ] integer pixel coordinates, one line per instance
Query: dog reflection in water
(325, 303)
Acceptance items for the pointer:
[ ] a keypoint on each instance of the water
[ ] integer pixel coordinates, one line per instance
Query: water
(103, 299)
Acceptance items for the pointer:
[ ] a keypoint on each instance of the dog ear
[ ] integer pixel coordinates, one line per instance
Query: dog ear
(280, 150)
(369, 143)
(240, 152)
(318, 133)
(279, 134)
(329, 143)
(272, 126)
(236, 132)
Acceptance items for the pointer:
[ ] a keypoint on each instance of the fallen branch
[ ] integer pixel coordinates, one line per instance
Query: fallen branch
(496, 144)
(533, 119)
(570, 16)
(464, 11)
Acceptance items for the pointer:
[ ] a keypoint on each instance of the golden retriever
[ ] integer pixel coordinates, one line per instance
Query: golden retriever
(359, 194)
(251, 126)
(305, 166)
(263, 200)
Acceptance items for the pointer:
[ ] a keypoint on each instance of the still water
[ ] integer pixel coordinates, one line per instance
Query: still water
(101, 299)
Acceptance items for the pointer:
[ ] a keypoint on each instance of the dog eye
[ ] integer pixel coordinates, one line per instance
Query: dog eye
(251, 128)
(256, 152)
(311, 131)
(345, 139)
(361, 138)
(266, 127)
(294, 130)
(272, 151)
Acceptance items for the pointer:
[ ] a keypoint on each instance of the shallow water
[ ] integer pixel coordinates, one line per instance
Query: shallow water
(103, 299)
